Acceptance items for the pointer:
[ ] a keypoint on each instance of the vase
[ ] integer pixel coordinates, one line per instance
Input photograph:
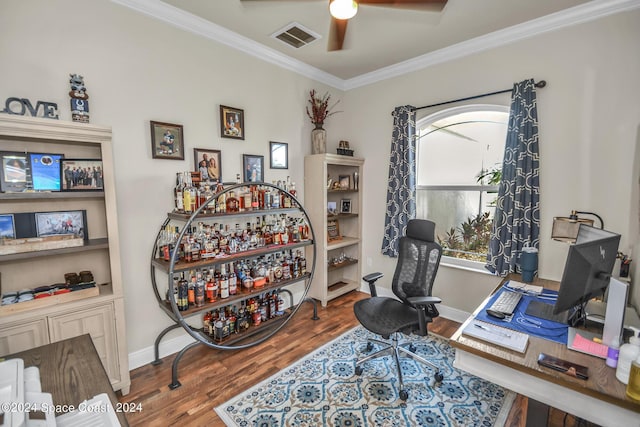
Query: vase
(318, 141)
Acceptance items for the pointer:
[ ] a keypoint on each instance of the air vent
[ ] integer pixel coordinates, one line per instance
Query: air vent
(295, 35)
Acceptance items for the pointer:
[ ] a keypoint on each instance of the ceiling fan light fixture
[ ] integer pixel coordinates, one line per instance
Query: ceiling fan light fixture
(343, 9)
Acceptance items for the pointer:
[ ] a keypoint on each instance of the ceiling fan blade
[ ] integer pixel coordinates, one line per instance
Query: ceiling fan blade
(337, 31)
(431, 5)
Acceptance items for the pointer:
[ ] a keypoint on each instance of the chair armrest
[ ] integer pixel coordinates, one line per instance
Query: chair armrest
(371, 279)
(424, 300)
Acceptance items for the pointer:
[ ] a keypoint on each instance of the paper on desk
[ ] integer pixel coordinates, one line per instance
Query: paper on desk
(585, 345)
(497, 335)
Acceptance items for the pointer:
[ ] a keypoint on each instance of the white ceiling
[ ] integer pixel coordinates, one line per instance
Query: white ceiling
(380, 41)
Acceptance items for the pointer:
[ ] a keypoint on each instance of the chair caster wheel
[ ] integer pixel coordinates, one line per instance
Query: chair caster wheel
(439, 377)
(404, 395)
(369, 347)
(412, 348)
(359, 370)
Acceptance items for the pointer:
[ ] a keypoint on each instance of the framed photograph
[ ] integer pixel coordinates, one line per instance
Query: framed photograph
(61, 223)
(82, 175)
(331, 208)
(333, 230)
(167, 141)
(279, 155)
(45, 171)
(7, 227)
(16, 174)
(253, 167)
(345, 206)
(345, 182)
(208, 163)
(231, 122)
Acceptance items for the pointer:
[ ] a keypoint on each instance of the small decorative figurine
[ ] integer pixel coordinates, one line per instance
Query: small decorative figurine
(79, 99)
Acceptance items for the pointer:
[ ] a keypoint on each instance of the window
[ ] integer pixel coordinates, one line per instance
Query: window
(459, 166)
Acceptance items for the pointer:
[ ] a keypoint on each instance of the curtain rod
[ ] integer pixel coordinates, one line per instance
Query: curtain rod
(540, 84)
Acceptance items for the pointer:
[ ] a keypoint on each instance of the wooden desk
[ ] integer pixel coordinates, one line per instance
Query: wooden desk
(600, 399)
(71, 371)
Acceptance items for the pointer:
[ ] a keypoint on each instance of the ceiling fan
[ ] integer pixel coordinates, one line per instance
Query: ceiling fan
(343, 10)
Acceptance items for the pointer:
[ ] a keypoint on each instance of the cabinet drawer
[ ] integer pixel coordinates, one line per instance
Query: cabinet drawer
(99, 322)
(25, 336)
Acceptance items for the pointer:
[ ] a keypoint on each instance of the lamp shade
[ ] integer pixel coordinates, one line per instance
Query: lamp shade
(343, 9)
(565, 229)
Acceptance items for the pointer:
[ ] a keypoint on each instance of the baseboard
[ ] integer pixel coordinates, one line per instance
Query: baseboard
(167, 347)
(173, 345)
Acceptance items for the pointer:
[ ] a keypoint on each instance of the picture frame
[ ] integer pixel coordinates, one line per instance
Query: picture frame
(213, 170)
(333, 230)
(61, 223)
(231, 122)
(345, 206)
(167, 141)
(345, 182)
(46, 171)
(278, 155)
(332, 208)
(7, 227)
(253, 168)
(81, 175)
(15, 175)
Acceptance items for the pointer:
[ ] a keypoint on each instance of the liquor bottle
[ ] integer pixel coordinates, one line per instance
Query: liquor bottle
(199, 290)
(191, 296)
(273, 303)
(303, 263)
(209, 288)
(206, 323)
(233, 280)
(232, 320)
(183, 294)
(233, 204)
(177, 193)
(187, 193)
(224, 283)
(277, 269)
(286, 269)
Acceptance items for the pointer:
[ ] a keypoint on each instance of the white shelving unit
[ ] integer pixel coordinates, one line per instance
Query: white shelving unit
(332, 278)
(58, 317)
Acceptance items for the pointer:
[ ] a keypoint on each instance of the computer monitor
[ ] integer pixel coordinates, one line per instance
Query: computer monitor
(588, 268)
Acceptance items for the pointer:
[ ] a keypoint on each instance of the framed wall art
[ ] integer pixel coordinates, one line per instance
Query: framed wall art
(16, 174)
(61, 223)
(45, 171)
(253, 167)
(7, 227)
(279, 155)
(333, 230)
(208, 163)
(231, 122)
(82, 175)
(345, 182)
(167, 141)
(345, 206)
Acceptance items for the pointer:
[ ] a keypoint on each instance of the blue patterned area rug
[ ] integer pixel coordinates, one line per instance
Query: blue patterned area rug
(323, 390)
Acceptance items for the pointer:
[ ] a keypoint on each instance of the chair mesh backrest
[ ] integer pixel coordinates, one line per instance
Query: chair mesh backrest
(418, 261)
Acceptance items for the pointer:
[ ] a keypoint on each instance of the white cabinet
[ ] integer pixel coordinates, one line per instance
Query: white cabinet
(23, 336)
(336, 181)
(101, 314)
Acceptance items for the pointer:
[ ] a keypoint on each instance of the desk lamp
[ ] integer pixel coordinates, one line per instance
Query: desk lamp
(565, 229)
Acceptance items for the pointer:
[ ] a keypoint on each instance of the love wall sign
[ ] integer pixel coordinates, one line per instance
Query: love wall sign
(22, 106)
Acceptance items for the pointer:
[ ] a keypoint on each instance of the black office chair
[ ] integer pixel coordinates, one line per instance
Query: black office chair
(415, 272)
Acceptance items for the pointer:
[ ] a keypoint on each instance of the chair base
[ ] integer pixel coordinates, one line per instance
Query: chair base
(395, 349)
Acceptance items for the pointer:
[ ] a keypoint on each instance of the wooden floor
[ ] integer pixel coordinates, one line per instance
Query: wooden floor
(211, 377)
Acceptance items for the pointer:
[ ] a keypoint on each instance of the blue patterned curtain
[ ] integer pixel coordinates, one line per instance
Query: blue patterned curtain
(517, 218)
(401, 190)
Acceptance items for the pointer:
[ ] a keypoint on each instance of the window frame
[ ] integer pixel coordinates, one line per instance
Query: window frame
(425, 121)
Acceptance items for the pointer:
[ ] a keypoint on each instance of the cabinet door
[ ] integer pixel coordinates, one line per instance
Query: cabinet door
(99, 322)
(25, 336)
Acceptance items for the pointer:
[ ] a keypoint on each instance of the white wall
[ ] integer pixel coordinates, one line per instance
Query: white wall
(137, 69)
(589, 116)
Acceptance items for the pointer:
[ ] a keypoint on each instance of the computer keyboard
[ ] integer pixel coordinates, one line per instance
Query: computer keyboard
(506, 302)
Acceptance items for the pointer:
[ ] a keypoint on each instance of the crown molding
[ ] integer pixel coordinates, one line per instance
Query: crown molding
(176, 17)
(573, 16)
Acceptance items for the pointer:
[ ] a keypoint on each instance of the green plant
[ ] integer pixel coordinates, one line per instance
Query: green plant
(470, 240)
(494, 175)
